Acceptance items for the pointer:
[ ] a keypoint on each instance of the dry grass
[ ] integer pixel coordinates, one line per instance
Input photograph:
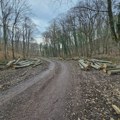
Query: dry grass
(1, 55)
(9, 55)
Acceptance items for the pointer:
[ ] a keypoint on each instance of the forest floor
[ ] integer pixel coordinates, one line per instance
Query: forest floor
(93, 94)
(11, 77)
(59, 91)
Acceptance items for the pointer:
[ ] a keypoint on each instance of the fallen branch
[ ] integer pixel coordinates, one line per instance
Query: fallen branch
(17, 61)
(105, 66)
(22, 66)
(25, 62)
(117, 110)
(10, 63)
(115, 71)
(101, 61)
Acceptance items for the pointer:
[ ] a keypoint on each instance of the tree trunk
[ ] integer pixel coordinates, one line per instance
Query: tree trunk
(28, 42)
(5, 40)
(23, 44)
(111, 20)
(12, 42)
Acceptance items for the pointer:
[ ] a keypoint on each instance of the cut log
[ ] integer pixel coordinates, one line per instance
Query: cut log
(96, 66)
(88, 63)
(17, 61)
(10, 63)
(115, 71)
(101, 61)
(117, 110)
(22, 66)
(85, 65)
(104, 70)
(109, 69)
(25, 62)
(105, 65)
(81, 66)
(112, 69)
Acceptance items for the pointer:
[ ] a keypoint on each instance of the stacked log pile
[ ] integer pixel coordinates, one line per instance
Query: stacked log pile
(19, 63)
(107, 66)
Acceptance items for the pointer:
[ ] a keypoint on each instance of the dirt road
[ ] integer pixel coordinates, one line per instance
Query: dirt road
(62, 92)
(39, 98)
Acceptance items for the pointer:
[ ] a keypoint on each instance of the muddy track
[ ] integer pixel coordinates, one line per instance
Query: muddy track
(62, 92)
(39, 98)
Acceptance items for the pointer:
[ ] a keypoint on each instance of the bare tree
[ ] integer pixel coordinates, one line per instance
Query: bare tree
(20, 8)
(6, 11)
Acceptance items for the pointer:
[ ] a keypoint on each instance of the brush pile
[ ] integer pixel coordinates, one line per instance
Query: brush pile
(19, 63)
(107, 66)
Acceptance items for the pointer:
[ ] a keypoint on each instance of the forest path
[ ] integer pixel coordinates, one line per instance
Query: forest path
(62, 92)
(39, 98)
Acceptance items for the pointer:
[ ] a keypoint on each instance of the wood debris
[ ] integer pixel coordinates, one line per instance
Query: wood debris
(117, 110)
(107, 66)
(84, 64)
(19, 63)
(10, 63)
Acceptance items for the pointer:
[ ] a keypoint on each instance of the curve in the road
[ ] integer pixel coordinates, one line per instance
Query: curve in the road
(40, 99)
(10, 93)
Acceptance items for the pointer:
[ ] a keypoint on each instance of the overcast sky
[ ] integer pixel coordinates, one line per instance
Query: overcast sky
(46, 10)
